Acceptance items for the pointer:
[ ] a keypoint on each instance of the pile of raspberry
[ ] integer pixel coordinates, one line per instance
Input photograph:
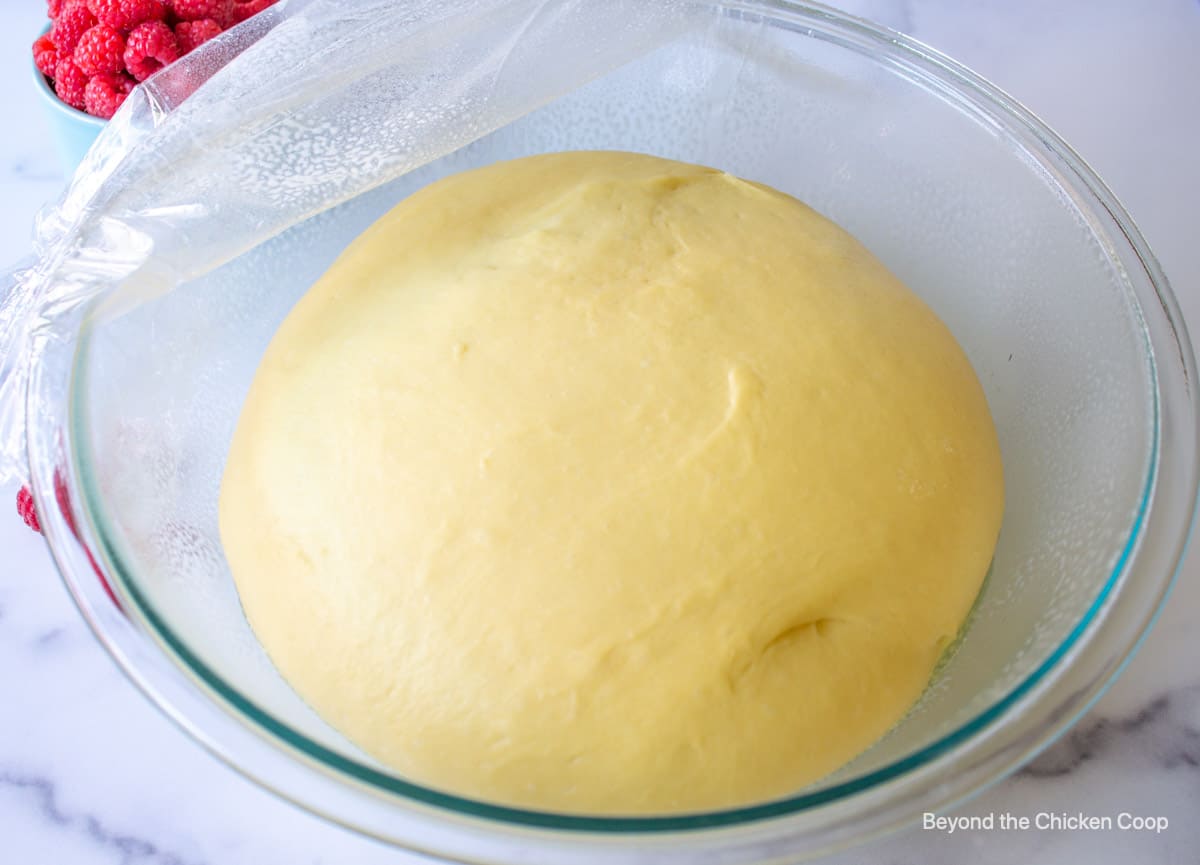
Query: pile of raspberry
(98, 50)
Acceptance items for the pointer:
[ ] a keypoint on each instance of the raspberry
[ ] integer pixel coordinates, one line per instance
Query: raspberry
(72, 23)
(54, 8)
(126, 14)
(243, 9)
(220, 11)
(45, 55)
(28, 512)
(100, 49)
(105, 93)
(150, 47)
(26, 509)
(69, 82)
(193, 33)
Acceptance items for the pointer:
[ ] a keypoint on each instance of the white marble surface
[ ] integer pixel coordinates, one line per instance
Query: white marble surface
(91, 774)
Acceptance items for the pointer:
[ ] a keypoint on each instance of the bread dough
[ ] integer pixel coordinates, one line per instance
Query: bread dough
(601, 483)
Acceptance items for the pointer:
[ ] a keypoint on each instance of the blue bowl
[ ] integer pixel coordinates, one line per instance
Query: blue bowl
(73, 130)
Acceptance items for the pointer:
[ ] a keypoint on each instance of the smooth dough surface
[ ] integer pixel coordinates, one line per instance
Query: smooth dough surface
(596, 482)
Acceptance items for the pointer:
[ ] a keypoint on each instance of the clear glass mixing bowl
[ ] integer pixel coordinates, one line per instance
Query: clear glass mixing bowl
(981, 209)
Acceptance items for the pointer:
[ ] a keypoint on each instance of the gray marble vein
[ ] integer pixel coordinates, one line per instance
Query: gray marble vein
(48, 638)
(42, 794)
(1163, 731)
(35, 169)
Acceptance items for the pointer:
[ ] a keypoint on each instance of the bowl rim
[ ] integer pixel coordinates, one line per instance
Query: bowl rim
(1179, 362)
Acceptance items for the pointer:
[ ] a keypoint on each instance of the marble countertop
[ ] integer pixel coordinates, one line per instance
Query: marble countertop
(92, 774)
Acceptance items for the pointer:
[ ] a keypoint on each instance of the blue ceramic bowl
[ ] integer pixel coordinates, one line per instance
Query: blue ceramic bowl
(73, 130)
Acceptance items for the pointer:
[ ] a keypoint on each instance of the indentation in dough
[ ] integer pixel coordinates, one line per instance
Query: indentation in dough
(820, 627)
(744, 391)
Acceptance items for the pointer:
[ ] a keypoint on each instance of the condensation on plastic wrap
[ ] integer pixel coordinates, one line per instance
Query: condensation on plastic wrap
(298, 109)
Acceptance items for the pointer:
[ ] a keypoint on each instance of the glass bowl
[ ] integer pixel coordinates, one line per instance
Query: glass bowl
(982, 210)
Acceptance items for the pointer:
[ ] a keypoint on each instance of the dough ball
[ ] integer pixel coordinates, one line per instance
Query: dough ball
(601, 483)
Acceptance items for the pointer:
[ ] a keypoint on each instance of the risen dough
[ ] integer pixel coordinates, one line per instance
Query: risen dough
(596, 482)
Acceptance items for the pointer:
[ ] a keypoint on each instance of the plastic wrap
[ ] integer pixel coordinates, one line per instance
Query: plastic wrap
(298, 109)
